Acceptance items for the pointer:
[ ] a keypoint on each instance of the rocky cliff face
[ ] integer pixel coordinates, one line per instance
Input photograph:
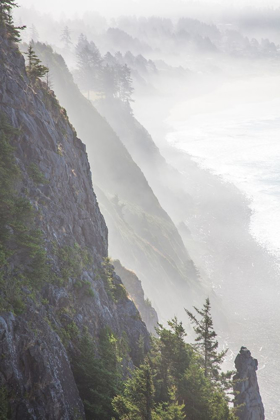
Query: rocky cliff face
(142, 235)
(134, 288)
(247, 389)
(53, 279)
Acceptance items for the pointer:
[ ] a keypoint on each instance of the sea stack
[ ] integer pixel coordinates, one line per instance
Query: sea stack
(248, 396)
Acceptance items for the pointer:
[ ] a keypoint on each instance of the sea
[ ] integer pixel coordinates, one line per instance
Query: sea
(241, 144)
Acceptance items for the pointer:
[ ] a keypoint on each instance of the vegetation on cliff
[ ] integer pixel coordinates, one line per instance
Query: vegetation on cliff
(171, 383)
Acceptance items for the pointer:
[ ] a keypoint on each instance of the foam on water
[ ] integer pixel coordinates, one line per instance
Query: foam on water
(243, 146)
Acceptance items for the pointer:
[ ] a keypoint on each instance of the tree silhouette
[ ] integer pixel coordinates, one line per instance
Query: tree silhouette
(66, 37)
(34, 34)
(125, 83)
(206, 341)
(6, 20)
(89, 65)
(35, 69)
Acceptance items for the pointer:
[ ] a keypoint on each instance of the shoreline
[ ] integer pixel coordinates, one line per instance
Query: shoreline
(244, 274)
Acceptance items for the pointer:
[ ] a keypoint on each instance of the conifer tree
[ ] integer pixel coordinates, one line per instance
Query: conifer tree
(66, 37)
(170, 411)
(170, 359)
(6, 20)
(171, 384)
(35, 69)
(108, 81)
(137, 400)
(89, 65)
(125, 82)
(206, 341)
(97, 377)
(34, 33)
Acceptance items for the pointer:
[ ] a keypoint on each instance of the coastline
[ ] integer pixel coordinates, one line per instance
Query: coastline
(245, 276)
(243, 273)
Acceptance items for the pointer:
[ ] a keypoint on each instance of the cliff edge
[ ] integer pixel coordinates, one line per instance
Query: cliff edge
(58, 291)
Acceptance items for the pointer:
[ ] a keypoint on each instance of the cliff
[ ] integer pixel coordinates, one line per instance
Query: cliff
(57, 285)
(135, 291)
(247, 390)
(142, 235)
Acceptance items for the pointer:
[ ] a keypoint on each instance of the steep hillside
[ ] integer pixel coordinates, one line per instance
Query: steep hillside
(166, 182)
(134, 289)
(60, 300)
(142, 234)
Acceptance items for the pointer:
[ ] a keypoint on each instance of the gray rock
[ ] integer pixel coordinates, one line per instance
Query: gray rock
(247, 388)
(34, 362)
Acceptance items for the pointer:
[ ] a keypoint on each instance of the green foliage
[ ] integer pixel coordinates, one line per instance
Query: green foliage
(206, 341)
(114, 289)
(35, 69)
(6, 20)
(90, 292)
(73, 260)
(72, 330)
(36, 174)
(170, 411)
(170, 358)
(171, 384)
(97, 374)
(137, 400)
(4, 404)
(22, 255)
(148, 303)
(8, 175)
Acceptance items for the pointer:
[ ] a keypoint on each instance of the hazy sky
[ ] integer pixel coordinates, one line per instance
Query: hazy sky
(122, 7)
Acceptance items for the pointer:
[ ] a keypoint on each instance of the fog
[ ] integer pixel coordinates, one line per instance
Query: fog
(167, 8)
(192, 91)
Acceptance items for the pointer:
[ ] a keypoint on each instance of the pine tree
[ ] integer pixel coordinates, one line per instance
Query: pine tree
(66, 38)
(35, 69)
(89, 65)
(6, 20)
(171, 384)
(170, 411)
(34, 35)
(108, 81)
(97, 377)
(170, 359)
(206, 341)
(137, 400)
(125, 82)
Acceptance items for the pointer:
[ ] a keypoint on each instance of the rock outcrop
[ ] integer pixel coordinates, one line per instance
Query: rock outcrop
(41, 321)
(248, 397)
(135, 291)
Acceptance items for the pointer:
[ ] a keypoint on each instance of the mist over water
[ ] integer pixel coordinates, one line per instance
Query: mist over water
(232, 132)
(242, 146)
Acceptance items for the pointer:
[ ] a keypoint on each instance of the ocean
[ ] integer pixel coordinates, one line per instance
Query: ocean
(241, 145)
